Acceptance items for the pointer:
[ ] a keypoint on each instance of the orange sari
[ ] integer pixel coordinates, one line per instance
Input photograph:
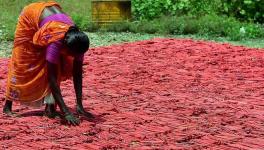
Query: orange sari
(27, 80)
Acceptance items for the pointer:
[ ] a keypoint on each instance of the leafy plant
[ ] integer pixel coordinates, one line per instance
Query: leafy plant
(245, 10)
(248, 10)
(150, 9)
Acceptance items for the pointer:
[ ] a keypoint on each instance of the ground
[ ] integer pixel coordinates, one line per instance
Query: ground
(155, 94)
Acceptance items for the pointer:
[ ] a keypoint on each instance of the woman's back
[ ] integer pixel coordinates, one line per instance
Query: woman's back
(48, 11)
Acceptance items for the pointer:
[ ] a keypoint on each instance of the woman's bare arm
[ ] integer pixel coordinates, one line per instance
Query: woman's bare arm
(56, 92)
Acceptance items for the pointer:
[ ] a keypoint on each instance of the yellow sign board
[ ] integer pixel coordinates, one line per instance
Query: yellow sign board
(106, 12)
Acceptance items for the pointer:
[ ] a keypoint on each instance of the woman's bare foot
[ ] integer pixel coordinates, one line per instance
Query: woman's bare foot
(7, 110)
(50, 111)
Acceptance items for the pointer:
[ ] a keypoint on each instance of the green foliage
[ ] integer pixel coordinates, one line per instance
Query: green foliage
(155, 8)
(150, 9)
(207, 25)
(119, 27)
(247, 10)
(80, 21)
(200, 17)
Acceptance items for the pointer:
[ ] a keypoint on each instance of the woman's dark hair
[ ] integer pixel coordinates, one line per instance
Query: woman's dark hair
(76, 40)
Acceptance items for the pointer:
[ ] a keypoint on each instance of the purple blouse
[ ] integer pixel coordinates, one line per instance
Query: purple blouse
(53, 49)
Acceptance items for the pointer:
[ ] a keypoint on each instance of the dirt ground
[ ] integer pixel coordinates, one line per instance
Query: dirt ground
(155, 94)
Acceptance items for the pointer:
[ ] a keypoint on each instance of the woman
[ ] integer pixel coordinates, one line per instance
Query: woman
(48, 48)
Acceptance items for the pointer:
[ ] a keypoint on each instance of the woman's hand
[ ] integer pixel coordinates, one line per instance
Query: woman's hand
(71, 120)
(56, 92)
(77, 80)
(80, 110)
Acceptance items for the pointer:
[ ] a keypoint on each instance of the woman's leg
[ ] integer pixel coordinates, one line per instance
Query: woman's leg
(50, 109)
(8, 109)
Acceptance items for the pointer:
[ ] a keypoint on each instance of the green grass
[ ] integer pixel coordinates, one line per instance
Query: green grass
(253, 43)
(10, 10)
(110, 38)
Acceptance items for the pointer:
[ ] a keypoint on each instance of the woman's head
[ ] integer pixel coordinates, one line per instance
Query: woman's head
(76, 41)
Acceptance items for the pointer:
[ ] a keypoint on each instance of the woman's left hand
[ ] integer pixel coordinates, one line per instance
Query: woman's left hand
(80, 110)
